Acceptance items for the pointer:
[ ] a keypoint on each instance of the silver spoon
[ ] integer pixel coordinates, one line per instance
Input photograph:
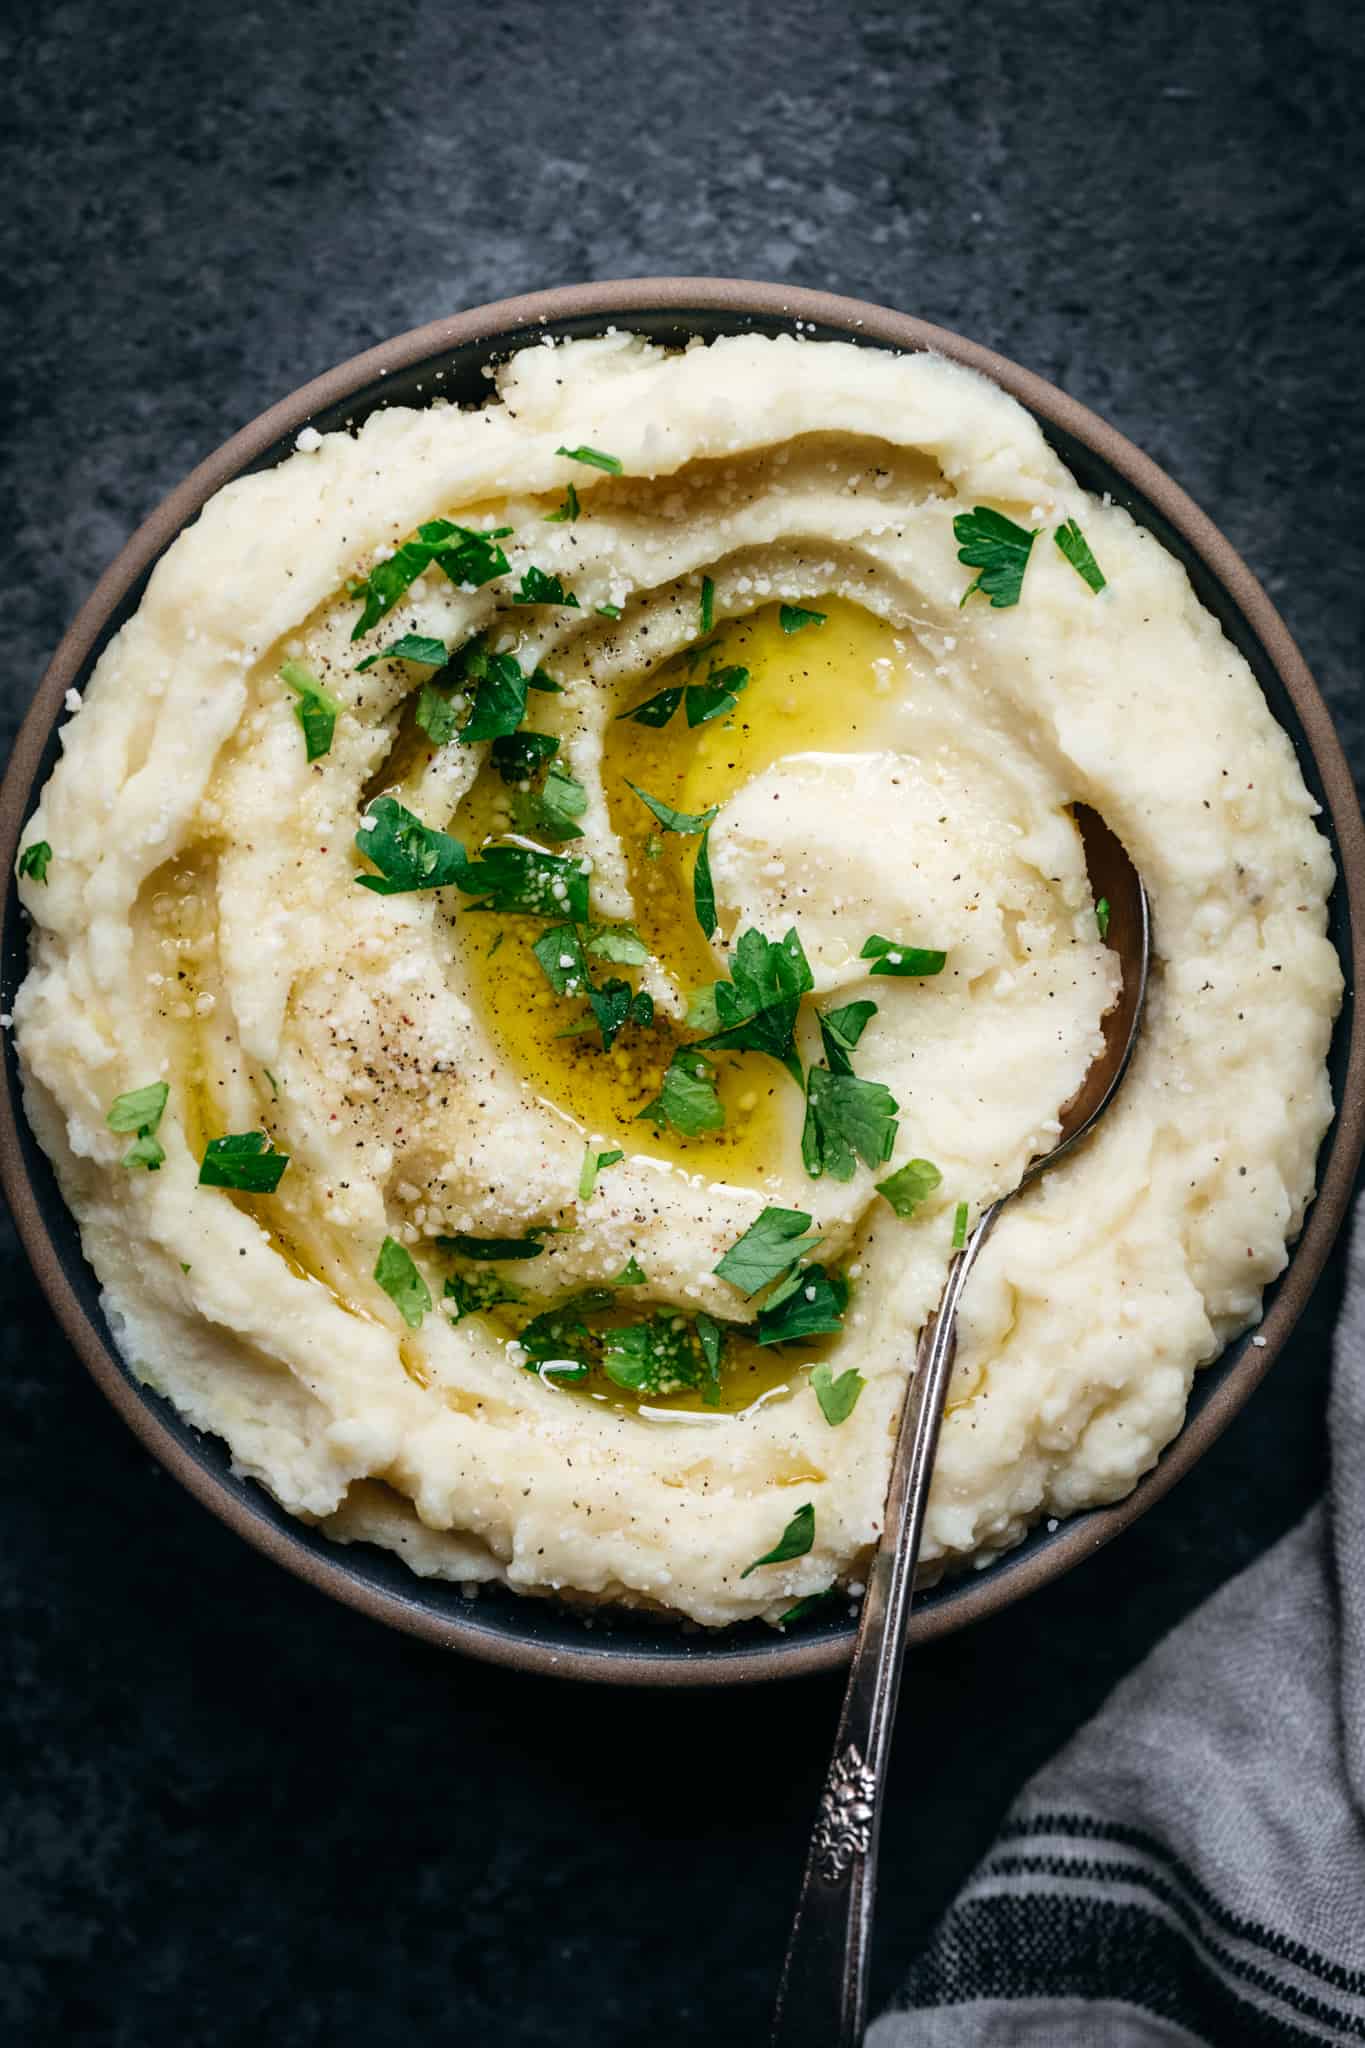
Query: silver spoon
(822, 2002)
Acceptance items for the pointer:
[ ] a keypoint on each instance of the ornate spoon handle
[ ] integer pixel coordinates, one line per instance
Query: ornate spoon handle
(822, 2002)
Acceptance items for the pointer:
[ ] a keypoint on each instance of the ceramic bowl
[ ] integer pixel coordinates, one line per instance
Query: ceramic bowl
(540, 1635)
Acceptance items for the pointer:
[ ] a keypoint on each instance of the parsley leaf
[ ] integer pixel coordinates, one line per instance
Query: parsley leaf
(536, 587)
(910, 1185)
(891, 957)
(140, 1110)
(408, 854)
(1102, 917)
(437, 715)
(707, 612)
(801, 1608)
(840, 1031)
(772, 1243)
(619, 943)
(518, 756)
(994, 545)
(398, 1276)
(500, 701)
(837, 1398)
(243, 1161)
(568, 511)
(560, 802)
(655, 1357)
(518, 879)
(688, 1098)
(615, 1004)
(796, 1539)
(959, 1226)
(810, 1302)
(632, 1274)
(474, 1292)
(557, 1343)
(469, 1247)
(1076, 548)
(655, 710)
(316, 711)
(846, 1120)
(607, 611)
(717, 696)
(711, 1339)
(671, 820)
(701, 1009)
(703, 888)
(593, 1162)
(594, 458)
(34, 859)
(467, 557)
(793, 617)
(412, 647)
(560, 954)
(758, 1006)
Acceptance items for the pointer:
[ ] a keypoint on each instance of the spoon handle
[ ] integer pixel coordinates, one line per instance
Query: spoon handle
(822, 2000)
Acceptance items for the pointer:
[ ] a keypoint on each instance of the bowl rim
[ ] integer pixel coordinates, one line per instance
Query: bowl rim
(740, 299)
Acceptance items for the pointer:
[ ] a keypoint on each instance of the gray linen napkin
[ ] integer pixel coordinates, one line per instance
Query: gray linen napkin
(1191, 1868)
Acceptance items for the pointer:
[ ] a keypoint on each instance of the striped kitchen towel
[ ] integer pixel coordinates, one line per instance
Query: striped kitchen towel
(1191, 1868)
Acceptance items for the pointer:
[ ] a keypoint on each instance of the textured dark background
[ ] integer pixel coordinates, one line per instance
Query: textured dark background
(231, 1812)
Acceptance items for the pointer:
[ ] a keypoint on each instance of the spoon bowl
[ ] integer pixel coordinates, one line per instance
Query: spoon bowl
(822, 2000)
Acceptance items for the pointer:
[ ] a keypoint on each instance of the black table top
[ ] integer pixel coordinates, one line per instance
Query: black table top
(233, 1812)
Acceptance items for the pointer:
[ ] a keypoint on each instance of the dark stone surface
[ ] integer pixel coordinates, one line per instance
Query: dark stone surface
(232, 1812)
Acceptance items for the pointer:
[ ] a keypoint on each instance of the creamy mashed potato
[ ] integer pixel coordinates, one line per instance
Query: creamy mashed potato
(586, 1405)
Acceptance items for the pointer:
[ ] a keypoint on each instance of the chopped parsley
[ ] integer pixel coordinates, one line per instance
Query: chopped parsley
(773, 1243)
(891, 957)
(412, 647)
(959, 1226)
(810, 1302)
(1076, 548)
(810, 1605)
(537, 587)
(594, 458)
(757, 1007)
(840, 1031)
(518, 756)
(1102, 917)
(437, 715)
(34, 859)
(701, 1009)
(560, 954)
(557, 1342)
(714, 698)
(619, 943)
(567, 512)
(660, 1356)
(711, 1338)
(474, 1292)
(467, 557)
(796, 1539)
(140, 1110)
(514, 879)
(837, 1398)
(398, 1276)
(593, 1163)
(615, 1004)
(707, 610)
(910, 1185)
(483, 1248)
(703, 888)
(499, 694)
(656, 710)
(632, 1274)
(316, 711)
(243, 1161)
(999, 551)
(408, 854)
(688, 1098)
(846, 1120)
(675, 821)
(607, 611)
(561, 802)
(794, 618)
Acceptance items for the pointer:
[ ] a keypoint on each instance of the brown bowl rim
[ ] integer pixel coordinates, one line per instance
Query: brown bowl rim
(740, 298)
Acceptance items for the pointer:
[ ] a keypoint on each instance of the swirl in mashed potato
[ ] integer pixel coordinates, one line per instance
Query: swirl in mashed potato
(758, 539)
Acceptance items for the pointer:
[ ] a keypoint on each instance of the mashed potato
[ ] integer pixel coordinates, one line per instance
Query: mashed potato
(454, 1288)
